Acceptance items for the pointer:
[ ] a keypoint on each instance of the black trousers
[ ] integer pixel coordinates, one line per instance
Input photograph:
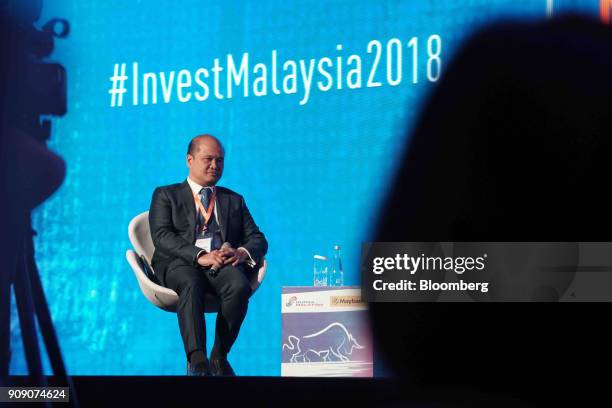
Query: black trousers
(191, 283)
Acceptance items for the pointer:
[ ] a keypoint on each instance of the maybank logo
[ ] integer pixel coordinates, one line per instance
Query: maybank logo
(343, 301)
(412, 264)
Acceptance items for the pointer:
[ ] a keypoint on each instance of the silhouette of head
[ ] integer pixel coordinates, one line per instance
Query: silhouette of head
(512, 145)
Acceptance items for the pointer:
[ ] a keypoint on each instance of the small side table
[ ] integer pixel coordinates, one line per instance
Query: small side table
(325, 332)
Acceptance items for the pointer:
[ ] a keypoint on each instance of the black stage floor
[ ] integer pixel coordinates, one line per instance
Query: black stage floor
(255, 392)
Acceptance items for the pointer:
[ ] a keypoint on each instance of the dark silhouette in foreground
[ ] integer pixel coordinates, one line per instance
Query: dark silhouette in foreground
(513, 145)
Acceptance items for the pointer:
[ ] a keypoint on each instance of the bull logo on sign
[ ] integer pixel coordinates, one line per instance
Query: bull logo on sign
(333, 343)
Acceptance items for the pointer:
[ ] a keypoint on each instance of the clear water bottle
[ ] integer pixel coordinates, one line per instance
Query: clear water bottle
(336, 276)
(320, 270)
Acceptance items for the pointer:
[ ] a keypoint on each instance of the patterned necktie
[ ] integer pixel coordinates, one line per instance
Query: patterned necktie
(205, 193)
(212, 229)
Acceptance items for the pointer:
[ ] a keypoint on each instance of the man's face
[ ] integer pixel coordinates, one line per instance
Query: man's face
(206, 165)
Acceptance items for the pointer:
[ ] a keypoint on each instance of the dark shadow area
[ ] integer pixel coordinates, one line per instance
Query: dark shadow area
(513, 145)
(31, 90)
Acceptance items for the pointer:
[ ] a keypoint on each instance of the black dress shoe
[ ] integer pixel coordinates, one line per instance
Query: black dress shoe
(202, 370)
(220, 366)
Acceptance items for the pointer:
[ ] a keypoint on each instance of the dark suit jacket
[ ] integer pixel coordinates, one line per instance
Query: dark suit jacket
(172, 219)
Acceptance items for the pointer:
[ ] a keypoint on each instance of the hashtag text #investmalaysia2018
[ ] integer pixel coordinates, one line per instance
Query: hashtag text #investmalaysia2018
(244, 76)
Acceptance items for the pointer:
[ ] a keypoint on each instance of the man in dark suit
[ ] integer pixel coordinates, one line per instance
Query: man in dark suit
(205, 240)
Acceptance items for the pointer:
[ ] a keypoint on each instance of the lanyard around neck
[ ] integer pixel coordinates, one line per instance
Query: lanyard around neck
(206, 213)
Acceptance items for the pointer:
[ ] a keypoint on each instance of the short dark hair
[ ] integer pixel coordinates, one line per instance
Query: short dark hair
(192, 146)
